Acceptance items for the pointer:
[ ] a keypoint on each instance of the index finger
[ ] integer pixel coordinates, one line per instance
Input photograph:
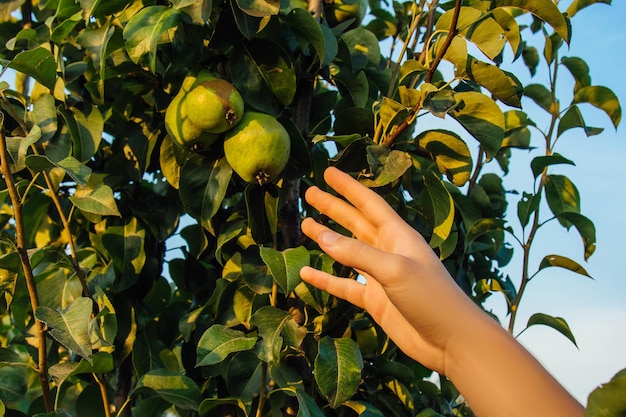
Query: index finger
(373, 206)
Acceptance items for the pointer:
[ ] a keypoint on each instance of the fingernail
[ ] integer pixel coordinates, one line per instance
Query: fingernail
(328, 238)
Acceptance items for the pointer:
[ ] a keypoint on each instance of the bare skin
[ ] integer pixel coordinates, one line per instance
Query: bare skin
(412, 297)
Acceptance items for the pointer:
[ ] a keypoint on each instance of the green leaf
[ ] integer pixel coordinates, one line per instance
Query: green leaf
(96, 199)
(574, 118)
(482, 118)
(307, 407)
(544, 10)
(438, 206)
(338, 367)
(95, 41)
(511, 29)
(561, 195)
(363, 409)
(451, 154)
(285, 265)
(362, 43)
(218, 341)
(101, 362)
(538, 163)
(144, 30)
(37, 63)
(528, 204)
(308, 32)
(483, 32)
(210, 406)
(264, 73)
(214, 192)
(580, 71)
(586, 229)
(125, 245)
(198, 10)
(394, 164)
(530, 55)
(70, 326)
(44, 115)
(557, 323)
(276, 328)
(540, 95)
(602, 98)
(608, 399)
(578, 5)
(503, 85)
(72, 166)
(484, 226)
(173, 387)
(562, 262)
(259, 8)
(85, 127)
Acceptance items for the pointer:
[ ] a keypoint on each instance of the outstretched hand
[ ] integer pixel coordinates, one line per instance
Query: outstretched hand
(407, 292)
(410, 294)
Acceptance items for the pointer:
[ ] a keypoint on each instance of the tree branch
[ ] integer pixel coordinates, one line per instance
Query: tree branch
(391, 138)
(16, 202)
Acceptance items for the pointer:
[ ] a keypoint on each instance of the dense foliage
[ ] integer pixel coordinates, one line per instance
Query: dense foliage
(142, 277)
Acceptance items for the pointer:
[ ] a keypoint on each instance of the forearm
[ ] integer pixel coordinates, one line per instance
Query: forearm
(499, 378)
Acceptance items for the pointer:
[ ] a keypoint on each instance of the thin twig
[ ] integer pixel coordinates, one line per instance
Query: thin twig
(42, 366)
(393, 135)
(446, 44)
(57, 204)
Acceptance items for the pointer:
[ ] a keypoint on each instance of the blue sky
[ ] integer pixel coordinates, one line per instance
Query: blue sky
(595, 309)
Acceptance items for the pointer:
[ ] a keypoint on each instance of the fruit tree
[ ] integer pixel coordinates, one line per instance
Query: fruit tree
(154, 157)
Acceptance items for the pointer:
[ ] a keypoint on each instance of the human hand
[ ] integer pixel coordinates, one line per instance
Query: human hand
(408, 292)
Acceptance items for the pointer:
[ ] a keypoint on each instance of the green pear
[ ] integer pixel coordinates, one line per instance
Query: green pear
(214, 105)
(257, 148)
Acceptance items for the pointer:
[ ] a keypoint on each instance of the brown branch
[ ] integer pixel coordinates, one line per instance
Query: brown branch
(42, 366)
(451, 34)
(391, 138)
(57, 204)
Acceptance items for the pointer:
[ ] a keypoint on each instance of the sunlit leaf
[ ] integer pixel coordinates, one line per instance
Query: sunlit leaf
(70, 326)
(338, 366)
(511, 29)
(100, 363)
(562, 262)
(485, 33)
(259, 8)
(504, 86)
(218, 341)
(451, 154)
(172, 386)
(97, 199)
(544, 10)
(285, 265)
(198, 10)
(37, 63)
(77, 171)
(557, 323)
(602, 98)
(482, 117)
(578, 5)
(143, 33)
(363, 409)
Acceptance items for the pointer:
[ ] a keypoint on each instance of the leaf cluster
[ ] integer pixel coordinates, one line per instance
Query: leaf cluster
(143, 278)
